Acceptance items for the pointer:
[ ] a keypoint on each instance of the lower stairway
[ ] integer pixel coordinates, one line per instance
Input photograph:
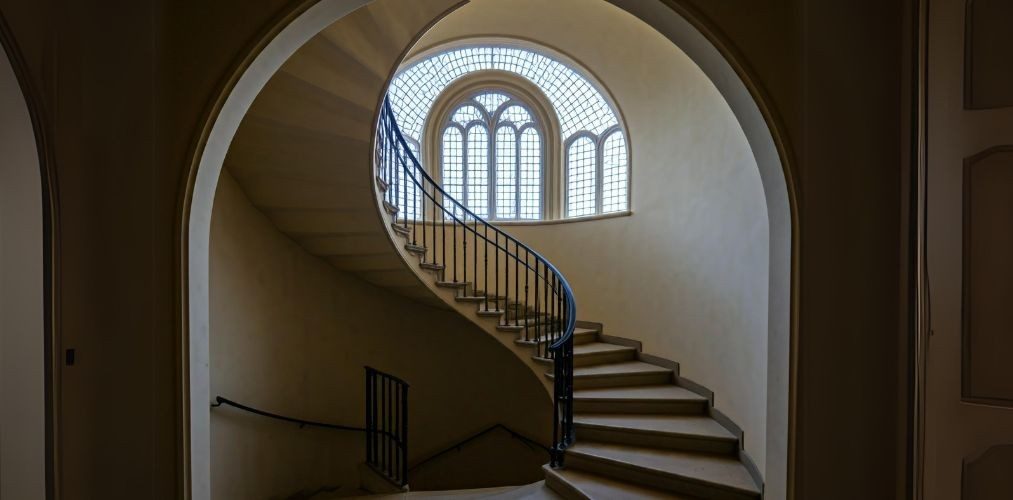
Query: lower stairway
(639, 433)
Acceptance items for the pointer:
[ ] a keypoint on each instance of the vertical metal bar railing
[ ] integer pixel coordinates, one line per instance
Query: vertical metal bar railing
(547, 311)
(387, 425)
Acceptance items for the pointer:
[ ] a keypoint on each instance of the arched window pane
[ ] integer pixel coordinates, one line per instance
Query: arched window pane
(531, 175)
(453, 163)
(506, 173)
(491, 101)
(516, 115)
(578, 103)
(614, 172)
(580, 188)
(478, 170)
(467, 114)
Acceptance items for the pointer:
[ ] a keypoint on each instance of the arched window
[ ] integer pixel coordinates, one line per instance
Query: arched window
(492, 150)
(491, 157)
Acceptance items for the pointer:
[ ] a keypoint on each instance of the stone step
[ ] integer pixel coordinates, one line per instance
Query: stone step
(697, 474)
(619, 374)
(597, 353)
(574, 484)
(665, 398)
(680, 432)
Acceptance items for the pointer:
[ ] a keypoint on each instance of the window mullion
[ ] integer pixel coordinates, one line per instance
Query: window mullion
(517, 174)
(599, 175)
(490, 179)
(464, 170)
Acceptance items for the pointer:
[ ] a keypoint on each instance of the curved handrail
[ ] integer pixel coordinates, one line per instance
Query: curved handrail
(554, 315)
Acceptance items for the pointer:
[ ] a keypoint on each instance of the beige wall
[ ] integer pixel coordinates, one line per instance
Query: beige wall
(290, 334)
(134, 82)
(686, 274)
(22, 332)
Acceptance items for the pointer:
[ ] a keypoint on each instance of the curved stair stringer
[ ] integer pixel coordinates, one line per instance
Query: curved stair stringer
(449, 292)
(302, 153)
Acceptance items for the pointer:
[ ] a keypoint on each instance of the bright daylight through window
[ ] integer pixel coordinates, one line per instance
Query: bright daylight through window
(492, 150)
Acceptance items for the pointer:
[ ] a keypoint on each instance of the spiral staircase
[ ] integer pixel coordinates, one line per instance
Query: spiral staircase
(625, 425)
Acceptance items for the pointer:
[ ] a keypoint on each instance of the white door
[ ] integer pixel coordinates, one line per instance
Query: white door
(968, 412)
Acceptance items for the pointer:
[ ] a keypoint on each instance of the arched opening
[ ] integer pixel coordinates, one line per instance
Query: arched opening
(23, 330)
(759, 127)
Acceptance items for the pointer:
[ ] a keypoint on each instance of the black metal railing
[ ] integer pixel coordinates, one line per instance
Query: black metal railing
(387, 425)
(505, 277)
(459, 445)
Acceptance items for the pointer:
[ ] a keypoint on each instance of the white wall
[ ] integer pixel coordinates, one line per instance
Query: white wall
(290, 334)
(22, 334)
(687, 273)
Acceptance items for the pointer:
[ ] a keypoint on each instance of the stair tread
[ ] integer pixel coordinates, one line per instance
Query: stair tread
(686, 425)
(666, 392)
(598, 347)
(597, 486)
(704, 467)
(625, 367)
(576, 332)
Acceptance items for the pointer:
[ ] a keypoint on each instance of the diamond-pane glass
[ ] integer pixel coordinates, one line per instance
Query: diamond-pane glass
(478, 171)
(614, 171)
(506, 173)
(580, 189)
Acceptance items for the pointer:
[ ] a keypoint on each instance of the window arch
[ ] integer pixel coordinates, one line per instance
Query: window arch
(491, 156)
(588, 170)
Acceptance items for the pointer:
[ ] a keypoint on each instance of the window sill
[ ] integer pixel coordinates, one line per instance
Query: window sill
(543, 222)
(546, 222)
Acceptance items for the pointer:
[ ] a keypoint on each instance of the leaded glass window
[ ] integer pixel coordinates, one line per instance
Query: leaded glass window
(592, 146)
(498, 170)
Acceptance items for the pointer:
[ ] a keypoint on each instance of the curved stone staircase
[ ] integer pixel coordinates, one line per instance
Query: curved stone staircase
(302, 155)
(639, 433)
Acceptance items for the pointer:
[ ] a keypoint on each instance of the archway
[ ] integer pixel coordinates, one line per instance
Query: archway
(23, 329)
(744, 99)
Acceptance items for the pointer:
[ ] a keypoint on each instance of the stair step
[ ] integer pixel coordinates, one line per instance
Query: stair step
(576, 484)
(469, 298)
(490, 312)
(432, 266)
(580, 336)
(680, 432)
(703, 475)
(382, 184)
(665, 398)
(618, 374)
(453, 284)
(415, 249)
(390, 209)
(596, 353)
(399, 229)
(511, 328)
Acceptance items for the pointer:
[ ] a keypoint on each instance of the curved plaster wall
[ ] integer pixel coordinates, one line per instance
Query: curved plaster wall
(726, 75)
(687, 273)
(22, 329)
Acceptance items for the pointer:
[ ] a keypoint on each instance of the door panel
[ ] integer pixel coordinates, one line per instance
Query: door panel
(968, 410)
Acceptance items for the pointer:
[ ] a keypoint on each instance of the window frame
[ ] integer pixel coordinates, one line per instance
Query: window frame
(492, 122)
(555, 169)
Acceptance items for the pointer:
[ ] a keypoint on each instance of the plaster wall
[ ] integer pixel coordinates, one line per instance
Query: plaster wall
(128, 87)
(687, 273)
(290, 334)
(22, 331)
